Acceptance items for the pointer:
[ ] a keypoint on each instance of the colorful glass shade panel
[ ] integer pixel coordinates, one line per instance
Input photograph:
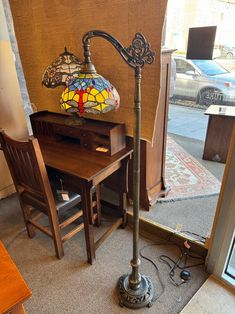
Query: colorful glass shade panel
(61, 70)
(89, 93)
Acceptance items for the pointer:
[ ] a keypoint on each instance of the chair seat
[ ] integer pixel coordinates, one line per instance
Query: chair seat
(37, 201)
(61, 205)
(74, 198)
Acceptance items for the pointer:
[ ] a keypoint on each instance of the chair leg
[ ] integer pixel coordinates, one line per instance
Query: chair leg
(98, 206)
(56, 233)
(27, 215)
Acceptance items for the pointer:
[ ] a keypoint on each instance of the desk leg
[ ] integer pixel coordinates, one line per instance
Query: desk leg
(87, 216)
(98, 206)
(123, 191)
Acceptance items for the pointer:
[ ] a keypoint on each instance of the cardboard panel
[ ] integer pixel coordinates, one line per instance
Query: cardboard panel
(43, 28)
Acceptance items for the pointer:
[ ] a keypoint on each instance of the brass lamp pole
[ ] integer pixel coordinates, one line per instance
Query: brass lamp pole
(135, 290)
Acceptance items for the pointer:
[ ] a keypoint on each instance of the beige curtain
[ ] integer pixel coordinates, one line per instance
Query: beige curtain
(43, 28)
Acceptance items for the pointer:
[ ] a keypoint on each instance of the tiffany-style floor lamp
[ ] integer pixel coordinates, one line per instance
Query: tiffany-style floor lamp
(90, 92)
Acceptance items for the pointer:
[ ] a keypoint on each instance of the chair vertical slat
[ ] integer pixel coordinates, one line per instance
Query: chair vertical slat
(26, 167)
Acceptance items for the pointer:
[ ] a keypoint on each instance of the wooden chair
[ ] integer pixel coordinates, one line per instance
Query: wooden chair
(35, 192)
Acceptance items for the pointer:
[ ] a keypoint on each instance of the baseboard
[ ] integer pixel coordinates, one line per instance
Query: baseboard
(154, 231)
(7, 191)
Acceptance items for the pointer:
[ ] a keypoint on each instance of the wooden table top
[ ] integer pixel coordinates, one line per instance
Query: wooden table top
(221, 111)
(69, 157)
(13, 289)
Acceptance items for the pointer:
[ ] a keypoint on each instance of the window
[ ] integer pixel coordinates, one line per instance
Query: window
(183, 66)
(229, 271)
(209, 67)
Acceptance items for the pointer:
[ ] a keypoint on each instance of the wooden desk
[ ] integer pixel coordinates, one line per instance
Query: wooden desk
(219, 131)
(80, 170)
(80, 166)
(13, 289)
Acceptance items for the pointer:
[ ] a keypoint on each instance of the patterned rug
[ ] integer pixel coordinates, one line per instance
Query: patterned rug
(186, 177)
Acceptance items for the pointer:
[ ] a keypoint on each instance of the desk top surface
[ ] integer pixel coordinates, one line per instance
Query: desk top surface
(13, 289)
(221, 110)
(68, 157)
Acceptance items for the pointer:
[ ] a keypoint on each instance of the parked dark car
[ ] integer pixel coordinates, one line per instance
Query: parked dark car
(204, 81)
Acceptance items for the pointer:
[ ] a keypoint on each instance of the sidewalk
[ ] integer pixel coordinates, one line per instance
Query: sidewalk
(187, 122)
(188, 126)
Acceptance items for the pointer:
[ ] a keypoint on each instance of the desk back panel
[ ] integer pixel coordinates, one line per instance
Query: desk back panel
(43, 28)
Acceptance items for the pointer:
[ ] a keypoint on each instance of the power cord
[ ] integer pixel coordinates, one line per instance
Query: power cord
(184, 274)
(173, 265)
(156, 268)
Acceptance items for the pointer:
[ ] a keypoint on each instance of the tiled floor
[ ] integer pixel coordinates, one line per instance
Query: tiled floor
(188, 122)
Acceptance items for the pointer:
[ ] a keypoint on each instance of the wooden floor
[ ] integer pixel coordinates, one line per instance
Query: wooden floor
(212, 298)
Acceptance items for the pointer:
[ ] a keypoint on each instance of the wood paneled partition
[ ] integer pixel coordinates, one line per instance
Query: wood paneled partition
(43, 28)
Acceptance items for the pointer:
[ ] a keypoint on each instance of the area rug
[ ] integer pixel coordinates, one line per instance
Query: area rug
(186, 177)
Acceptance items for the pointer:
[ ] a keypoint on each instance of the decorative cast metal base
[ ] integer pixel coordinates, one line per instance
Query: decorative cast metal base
(139, 298)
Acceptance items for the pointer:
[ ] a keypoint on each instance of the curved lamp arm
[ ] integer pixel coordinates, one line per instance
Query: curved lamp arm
(136, 55)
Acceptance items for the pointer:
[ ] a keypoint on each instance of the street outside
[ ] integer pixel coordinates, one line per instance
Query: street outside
(187, 122)
(187, 118)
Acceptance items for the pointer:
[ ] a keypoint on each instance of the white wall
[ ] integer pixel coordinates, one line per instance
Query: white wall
(183, 14)
(12, 117)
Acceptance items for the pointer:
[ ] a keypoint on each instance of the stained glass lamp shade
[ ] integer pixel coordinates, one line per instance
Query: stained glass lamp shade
(61, 70)
(89, 93)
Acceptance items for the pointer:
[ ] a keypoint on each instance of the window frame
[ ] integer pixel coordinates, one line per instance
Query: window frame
(223, 231)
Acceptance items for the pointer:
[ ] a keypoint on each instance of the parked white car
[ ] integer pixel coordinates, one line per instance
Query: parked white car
(204, 81)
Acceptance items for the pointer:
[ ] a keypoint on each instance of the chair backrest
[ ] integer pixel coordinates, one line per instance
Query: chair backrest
(27, 168)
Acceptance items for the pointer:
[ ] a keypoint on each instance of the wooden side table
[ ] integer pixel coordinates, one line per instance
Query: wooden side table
(13, 289)
(219, 131)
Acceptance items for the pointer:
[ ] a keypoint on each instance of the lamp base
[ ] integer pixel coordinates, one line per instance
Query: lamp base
(141, 297)
(74, 119)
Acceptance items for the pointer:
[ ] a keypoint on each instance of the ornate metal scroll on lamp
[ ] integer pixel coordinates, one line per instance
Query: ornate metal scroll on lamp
(135, 290)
